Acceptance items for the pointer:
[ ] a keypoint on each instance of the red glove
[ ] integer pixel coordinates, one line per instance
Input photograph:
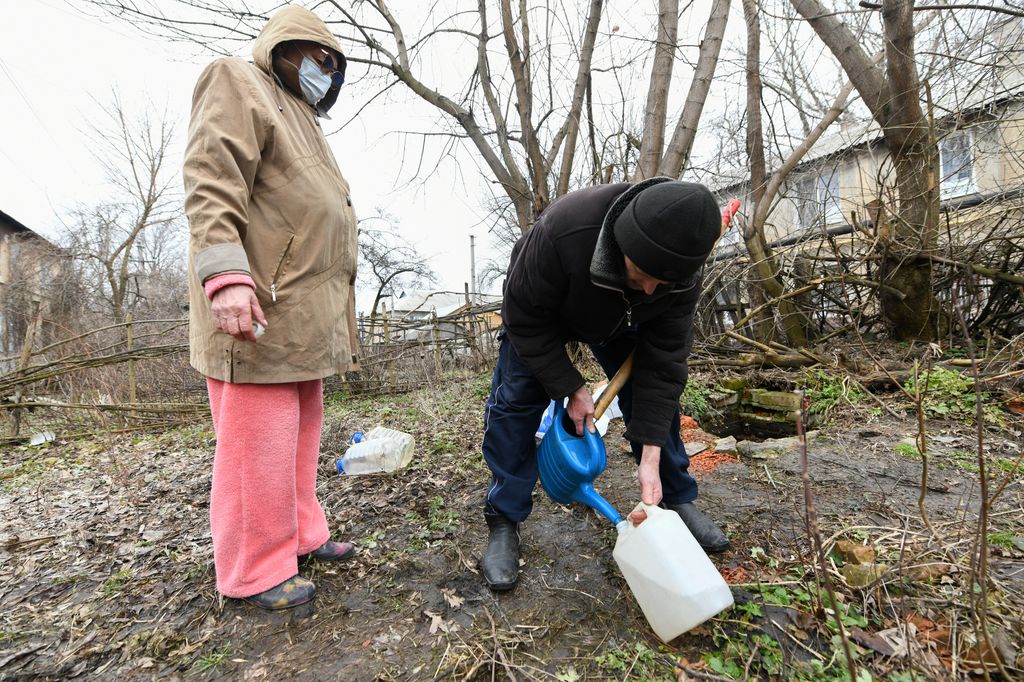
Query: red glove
(731, 209)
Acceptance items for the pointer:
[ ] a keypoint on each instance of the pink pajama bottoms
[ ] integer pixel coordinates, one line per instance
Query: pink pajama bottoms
(263, 507)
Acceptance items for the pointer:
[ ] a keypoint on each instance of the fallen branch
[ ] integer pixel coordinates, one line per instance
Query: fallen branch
(756, 360)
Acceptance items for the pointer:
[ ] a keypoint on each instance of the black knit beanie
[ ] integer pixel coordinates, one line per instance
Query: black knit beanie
(669, 229)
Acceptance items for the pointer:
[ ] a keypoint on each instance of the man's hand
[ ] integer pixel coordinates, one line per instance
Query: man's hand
(650, 478)
(234, 308)
(581, 410)
(650, 482)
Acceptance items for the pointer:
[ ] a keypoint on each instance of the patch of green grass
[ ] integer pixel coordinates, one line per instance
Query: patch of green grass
(826, 391)
(372, 540)
(28, 470)
(117, 581)
(637, 661)
(481, 386)
(1010, 466)
(444, 442)
(439, 518)
(748, 654)
(696, 399)
(759, 652)
(948, 394)
(70, 579)
(966, 460)
(212, 659)
(907, 450)
(1003, 538)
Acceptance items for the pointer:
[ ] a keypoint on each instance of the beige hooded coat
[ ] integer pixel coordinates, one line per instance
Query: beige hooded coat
(264, 196)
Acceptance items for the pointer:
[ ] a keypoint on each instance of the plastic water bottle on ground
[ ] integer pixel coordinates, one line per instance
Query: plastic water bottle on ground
(406, 444)
(381, 450)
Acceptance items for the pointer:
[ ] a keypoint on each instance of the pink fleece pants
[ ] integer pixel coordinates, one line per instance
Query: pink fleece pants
(263, 506)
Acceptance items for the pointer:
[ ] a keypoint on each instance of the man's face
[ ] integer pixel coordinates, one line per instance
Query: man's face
(640, 280)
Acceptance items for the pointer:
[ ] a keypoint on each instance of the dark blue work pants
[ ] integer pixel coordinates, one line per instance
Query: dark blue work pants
(512, 415)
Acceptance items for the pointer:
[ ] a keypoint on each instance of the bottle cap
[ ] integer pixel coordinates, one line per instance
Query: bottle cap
(340, 465)
(357, 437)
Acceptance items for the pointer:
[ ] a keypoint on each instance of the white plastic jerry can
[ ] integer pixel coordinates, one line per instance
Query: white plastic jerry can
(673, 580)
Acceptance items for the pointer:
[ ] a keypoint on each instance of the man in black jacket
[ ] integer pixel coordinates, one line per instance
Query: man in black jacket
(617, 267)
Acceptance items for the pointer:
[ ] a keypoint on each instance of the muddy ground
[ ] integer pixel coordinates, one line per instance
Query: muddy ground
(107, 565)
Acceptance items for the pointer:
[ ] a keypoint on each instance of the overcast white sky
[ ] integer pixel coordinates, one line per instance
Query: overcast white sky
(59, 68)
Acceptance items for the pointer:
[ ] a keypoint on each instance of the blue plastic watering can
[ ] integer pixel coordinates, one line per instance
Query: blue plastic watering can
(570, 463)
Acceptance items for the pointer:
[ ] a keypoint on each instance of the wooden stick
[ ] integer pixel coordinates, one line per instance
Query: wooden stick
(613, 387)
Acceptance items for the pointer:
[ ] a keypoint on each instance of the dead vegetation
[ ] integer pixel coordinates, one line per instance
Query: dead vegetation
(108, 565)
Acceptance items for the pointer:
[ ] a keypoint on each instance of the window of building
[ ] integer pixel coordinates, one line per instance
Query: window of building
(817, 199)
(956, 164)
(828, 197)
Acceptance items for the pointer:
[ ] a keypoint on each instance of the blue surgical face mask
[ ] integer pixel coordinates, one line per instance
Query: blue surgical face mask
(314, 82)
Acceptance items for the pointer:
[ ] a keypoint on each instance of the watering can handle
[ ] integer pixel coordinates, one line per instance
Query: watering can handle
(613, 388)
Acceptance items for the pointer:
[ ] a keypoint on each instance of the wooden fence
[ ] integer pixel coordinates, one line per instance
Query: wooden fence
(135, 375)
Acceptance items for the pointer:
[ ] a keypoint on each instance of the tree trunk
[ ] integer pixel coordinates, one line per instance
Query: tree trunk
(678, 151)
(753, 233)
(915, 156)
(893, 96)
(656, 110)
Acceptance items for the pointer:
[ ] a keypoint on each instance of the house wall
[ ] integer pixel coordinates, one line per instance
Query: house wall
(1009, 140)
(998, 166)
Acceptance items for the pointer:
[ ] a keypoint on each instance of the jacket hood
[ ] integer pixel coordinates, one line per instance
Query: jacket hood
(291, 23)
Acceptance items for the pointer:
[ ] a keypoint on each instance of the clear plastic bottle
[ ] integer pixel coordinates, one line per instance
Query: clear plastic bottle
(406, 442)
(382, 449)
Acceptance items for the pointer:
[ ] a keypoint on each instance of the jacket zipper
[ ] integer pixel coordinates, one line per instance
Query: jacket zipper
(629, 308)
(277, 271)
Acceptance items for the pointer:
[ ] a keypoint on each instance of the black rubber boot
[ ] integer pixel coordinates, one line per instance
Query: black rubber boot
(500, 563)
(705, 531)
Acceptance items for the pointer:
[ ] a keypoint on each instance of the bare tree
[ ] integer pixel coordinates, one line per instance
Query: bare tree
(390, 261)
(117, 242)
(520, 107)
(892, 93)
(765, 190)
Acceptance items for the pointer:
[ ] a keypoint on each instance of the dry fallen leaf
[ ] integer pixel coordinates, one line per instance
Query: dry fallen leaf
(454, 600)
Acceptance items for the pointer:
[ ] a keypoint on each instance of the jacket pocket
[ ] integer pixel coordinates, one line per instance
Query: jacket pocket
(274, 281)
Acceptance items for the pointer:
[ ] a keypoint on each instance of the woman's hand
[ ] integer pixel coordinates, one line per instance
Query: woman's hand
(234, 308)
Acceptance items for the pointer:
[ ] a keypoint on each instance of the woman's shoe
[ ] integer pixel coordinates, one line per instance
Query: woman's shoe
(333, 551)
(291, 593)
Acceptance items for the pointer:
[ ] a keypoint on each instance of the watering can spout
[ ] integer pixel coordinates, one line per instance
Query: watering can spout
(590, 497)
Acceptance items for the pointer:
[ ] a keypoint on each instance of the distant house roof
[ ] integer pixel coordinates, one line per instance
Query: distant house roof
(441, 303)
(994, 77)
(9, 224)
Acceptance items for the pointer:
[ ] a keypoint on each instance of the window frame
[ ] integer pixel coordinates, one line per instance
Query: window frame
(951, 186)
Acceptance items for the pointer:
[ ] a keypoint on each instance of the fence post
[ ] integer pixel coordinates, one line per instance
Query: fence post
(470, 318)
(132, 392)
(436, 334)
(26, 353)
(389, 361)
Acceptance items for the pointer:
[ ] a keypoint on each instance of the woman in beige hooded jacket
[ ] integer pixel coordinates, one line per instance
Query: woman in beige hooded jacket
(272, 266)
